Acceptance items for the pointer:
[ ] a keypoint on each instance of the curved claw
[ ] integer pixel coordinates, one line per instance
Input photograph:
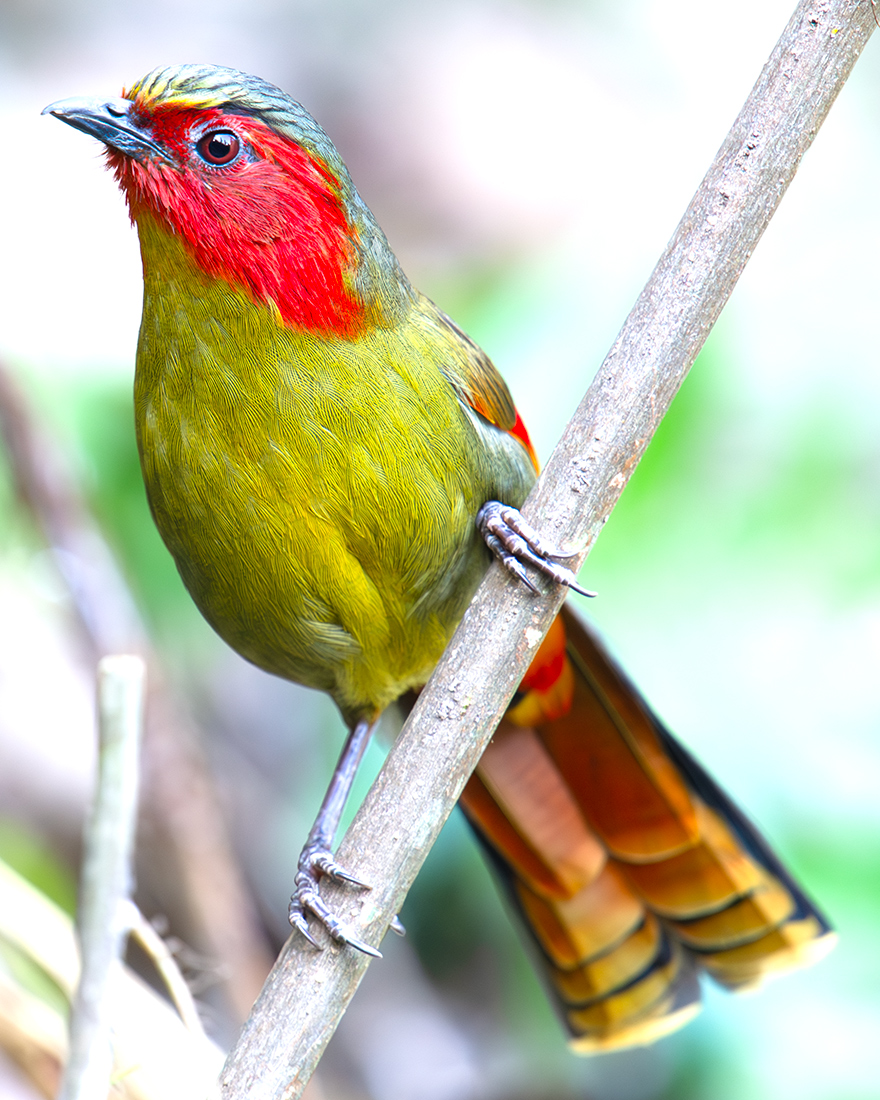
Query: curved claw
(396, 927)
(314, 862)
(516, 521)
(513, 541)
(324, 863)
(359, 945)
(510, 563)
(297, 920)
(309, 900)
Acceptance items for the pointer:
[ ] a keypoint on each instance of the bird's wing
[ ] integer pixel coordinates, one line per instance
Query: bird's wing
(479, 385)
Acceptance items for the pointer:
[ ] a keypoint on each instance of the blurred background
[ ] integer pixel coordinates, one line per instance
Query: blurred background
(528, 161)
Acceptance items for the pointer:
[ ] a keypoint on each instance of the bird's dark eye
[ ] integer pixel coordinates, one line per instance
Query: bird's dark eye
(219, 147)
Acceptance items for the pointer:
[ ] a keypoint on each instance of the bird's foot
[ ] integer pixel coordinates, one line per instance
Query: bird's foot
(515, 543)
(315, 861)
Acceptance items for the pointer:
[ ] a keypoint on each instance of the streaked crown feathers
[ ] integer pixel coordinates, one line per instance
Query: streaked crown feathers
(234, 92)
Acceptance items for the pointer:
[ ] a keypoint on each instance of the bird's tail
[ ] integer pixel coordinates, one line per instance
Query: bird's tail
(631, 869)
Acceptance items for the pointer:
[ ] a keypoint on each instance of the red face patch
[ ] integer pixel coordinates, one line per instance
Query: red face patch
(253, 208)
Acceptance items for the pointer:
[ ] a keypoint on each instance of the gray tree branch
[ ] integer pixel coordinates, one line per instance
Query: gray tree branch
(307, 991)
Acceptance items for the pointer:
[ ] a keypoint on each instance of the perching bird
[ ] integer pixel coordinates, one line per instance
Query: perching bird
(324, 453)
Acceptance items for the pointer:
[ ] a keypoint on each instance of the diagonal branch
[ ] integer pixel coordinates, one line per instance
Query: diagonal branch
(307, 992)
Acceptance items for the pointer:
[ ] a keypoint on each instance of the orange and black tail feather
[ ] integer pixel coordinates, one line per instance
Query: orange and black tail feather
(630, 868)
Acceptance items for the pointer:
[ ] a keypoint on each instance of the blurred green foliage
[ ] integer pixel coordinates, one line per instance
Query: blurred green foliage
(35, 861)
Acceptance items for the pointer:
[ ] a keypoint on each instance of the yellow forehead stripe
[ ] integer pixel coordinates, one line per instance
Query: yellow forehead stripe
(161, 86)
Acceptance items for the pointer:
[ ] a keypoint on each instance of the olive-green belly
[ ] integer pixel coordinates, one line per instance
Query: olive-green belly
(318, 496)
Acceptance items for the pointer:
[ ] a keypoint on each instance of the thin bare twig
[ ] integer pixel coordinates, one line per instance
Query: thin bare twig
(160, 956)
(165, 963)
(307, 992)
(106, 879)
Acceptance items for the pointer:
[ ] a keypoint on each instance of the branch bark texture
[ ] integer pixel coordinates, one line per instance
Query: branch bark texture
(450, 726)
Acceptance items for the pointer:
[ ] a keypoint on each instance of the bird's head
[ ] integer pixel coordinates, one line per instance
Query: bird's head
(243, 175)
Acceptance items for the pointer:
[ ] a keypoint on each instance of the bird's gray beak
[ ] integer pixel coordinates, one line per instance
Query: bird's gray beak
(109, 121)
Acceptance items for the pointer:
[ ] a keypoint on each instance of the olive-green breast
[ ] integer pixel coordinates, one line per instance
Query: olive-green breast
(318, 495)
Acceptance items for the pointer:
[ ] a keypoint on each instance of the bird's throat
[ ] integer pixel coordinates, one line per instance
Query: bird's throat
(309, 283)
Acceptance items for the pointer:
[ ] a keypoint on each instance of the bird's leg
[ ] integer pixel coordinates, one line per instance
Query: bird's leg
(514, 542)
(316, 858)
